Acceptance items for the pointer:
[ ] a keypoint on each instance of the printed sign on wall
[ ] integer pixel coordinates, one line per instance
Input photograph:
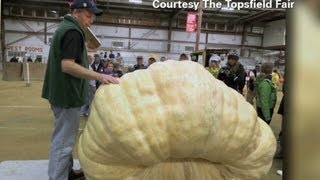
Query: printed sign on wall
(191, 22)
(30, 49)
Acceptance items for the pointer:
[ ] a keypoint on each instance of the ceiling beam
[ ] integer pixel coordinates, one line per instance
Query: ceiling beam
(250, 16)
(123, 8)
(177, 13)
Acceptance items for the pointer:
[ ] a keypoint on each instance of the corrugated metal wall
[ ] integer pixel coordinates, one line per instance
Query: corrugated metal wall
(135, 41)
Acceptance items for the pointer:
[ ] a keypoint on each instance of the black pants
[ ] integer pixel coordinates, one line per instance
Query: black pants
(260, 114)
(281, 136)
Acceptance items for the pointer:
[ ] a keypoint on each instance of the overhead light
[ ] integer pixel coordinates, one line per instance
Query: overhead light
(227, 9)
(136, 1)
(54, 12)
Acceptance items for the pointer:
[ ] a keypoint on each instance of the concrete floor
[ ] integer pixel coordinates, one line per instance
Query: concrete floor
(26, 123)
(37, 169)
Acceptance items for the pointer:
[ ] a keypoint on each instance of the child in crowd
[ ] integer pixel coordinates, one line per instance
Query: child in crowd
(109, 69)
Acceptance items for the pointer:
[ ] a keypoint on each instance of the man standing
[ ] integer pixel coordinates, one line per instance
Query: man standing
(65, 85)
(119, 59)
(251, 94)
(111, 56)
(139, 64)
(233, 75)
(97, 66)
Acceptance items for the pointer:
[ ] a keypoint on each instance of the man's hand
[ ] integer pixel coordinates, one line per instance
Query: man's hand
(106, 79)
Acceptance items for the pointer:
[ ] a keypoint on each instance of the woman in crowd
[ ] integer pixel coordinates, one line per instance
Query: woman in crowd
(214, 65)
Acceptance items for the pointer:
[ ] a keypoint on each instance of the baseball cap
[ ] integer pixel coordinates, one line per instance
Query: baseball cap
(86, 4)
(153, 56)
(233, 55)
(215, 58)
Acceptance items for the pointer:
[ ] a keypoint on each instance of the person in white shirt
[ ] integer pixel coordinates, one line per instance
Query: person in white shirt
(85, 109)
(119, 59)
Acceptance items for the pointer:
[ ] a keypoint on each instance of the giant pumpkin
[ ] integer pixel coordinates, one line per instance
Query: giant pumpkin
(174, 121)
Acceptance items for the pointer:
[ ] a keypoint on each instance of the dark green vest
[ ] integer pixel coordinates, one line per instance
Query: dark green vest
(62, 89)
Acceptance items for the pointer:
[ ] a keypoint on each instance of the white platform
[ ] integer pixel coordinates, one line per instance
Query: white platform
(26, 170)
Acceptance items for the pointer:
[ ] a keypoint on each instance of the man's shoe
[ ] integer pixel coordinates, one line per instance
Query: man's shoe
(279, 172)
(84, 115)
(76, 175)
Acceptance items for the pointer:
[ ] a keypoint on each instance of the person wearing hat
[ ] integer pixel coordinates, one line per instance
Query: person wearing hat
(66, 85)
(139, 64)
(152, 59)
(233, 74)
(214, 65)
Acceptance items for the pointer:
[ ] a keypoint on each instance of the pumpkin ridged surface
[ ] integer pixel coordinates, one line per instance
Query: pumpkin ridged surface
(174, 120)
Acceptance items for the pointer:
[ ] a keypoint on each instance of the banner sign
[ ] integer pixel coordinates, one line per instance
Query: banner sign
(191, 22)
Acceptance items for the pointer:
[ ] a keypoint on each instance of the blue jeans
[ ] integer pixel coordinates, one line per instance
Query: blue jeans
(85, 109)
(63, 141)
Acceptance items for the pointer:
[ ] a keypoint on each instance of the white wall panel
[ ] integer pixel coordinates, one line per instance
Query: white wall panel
(52, 27)
(180, 47)
(149, 34)
(248, 63)
(202, 46)
(220, 46)
(185, 36)
(32, 41)
(253, 41)
(224, 39)
(274, 33)
(149, 45)
(110, 31)
(107, 42)
(17, 25)
(245, 52)
(11, 37)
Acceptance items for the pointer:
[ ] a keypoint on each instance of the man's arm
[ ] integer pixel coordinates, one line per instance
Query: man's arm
(72, 45)
(70, 67)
